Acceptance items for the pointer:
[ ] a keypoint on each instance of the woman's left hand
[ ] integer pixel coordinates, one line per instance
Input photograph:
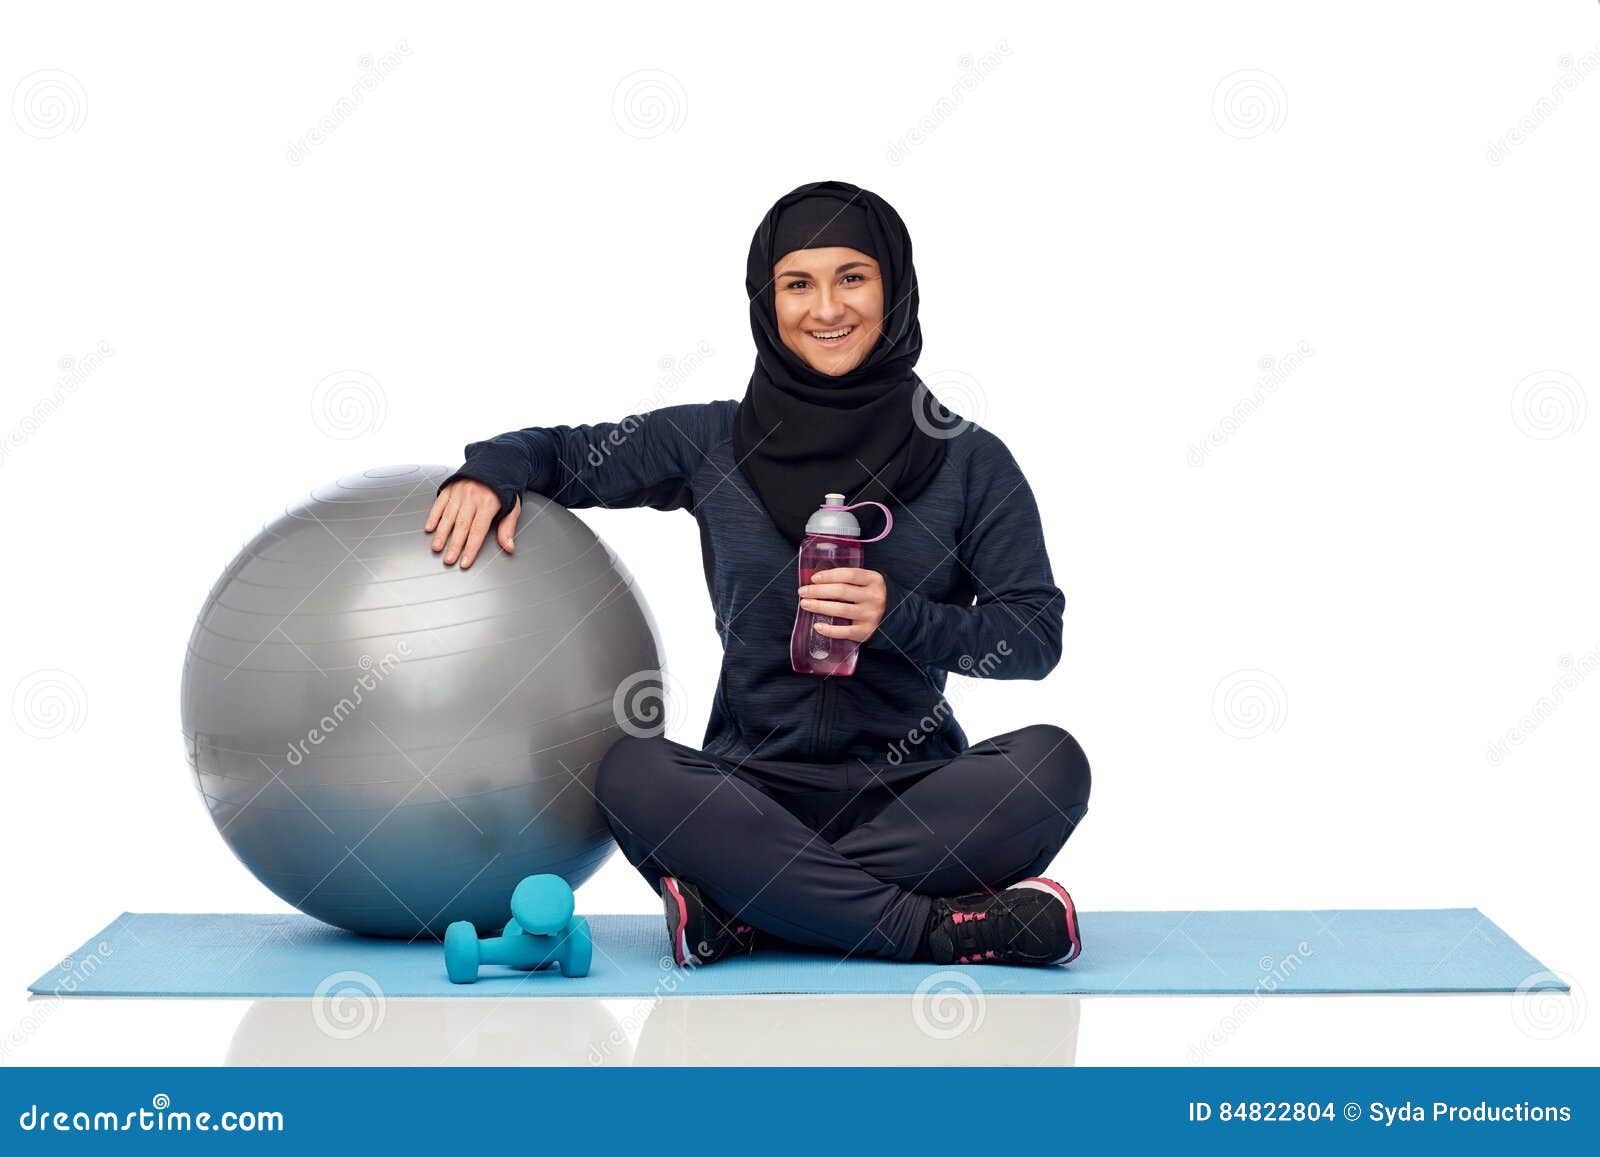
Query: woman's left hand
(847, 593)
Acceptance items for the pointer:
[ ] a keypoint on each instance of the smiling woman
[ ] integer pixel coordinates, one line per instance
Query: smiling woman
(846, 812)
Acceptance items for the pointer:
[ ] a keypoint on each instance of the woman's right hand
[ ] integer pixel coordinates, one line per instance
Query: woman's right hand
(461, 517)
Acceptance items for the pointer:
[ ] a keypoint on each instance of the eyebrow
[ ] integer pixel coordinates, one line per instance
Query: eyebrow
(841, 269)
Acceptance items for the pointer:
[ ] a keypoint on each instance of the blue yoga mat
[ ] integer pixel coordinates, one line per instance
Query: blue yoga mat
(1358, 950)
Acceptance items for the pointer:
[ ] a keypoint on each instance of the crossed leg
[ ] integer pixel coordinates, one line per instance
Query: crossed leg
(991, 815)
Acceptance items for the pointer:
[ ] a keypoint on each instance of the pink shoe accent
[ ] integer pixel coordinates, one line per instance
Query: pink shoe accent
(680, 946)
(1040, 884)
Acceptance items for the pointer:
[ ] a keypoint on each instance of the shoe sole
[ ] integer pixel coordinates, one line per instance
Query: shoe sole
(677, 912)
(1040, 884)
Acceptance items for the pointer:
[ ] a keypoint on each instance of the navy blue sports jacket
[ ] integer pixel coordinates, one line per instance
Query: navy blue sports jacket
(970, 587)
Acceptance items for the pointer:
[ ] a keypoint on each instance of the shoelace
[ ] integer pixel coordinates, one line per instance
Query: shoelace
(984, 933)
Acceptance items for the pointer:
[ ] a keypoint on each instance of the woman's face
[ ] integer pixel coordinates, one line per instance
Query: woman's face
(829, 305)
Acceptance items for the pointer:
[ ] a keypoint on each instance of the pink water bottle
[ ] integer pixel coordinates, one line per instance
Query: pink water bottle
(833, 539)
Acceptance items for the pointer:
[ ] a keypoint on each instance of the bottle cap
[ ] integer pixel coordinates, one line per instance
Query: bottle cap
(833, 520)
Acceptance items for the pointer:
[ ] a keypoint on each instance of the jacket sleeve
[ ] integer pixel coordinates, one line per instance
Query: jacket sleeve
(641, 460)
(1011, 628)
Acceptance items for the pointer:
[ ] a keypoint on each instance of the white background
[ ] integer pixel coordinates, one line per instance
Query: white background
(1287, 656)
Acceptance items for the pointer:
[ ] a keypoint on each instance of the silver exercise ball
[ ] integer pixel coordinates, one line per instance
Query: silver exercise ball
(390, 744)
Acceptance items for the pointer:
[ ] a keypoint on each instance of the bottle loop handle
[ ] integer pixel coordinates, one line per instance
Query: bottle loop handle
(888, 519)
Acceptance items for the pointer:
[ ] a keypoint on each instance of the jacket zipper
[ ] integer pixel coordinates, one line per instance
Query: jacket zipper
(824, 718)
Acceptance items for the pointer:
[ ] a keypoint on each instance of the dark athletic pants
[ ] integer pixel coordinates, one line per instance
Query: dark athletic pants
(845, 856)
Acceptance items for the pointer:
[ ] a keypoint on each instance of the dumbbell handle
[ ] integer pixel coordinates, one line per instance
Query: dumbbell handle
(464, 953)
(519, 949)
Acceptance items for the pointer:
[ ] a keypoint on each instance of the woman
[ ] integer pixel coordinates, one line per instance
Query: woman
(844, 813)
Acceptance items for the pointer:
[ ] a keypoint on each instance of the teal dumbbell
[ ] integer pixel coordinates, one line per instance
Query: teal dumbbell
(542, 931)
(571, 950)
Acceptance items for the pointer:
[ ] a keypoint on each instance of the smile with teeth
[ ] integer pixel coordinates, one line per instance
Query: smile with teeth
(834, 336)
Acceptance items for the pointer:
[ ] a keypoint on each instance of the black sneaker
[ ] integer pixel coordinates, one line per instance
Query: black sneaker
(701, 932)
(1031, 922)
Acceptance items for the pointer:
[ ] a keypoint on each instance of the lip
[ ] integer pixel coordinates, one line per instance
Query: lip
(832, 342)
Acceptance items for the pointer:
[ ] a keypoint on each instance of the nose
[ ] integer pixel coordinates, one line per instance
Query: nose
(827, 308)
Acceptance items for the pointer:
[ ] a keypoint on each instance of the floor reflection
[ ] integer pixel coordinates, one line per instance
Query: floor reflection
(528, 1031)
(953, 1029)
(963, 1029)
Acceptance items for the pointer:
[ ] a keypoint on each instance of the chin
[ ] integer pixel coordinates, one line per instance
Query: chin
(834, 363)
(835, 367)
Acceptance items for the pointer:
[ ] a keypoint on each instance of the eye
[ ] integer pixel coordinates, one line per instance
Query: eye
(796, 285)
(853, 277)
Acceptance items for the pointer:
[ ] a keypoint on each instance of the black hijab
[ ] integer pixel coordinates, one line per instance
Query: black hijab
(800, 434)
